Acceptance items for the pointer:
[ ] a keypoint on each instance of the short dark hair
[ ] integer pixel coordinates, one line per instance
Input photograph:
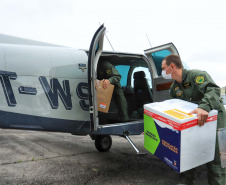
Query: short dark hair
(175, 59)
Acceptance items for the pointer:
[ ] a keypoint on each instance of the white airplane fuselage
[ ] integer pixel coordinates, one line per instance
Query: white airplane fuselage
(40, 84)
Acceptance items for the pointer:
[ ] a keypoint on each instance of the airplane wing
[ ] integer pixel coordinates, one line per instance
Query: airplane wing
(8, 39)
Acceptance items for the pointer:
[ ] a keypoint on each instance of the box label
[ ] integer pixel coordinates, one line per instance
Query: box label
(151, 137)
(102, 105)
(178, 114)
(164, 143)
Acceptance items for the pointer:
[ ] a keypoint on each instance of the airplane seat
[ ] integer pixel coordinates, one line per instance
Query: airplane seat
(142, 91)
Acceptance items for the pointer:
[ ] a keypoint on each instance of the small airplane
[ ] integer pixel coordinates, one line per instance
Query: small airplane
(48, 87)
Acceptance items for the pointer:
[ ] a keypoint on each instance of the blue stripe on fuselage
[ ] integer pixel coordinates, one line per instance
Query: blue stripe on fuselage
(11, 120)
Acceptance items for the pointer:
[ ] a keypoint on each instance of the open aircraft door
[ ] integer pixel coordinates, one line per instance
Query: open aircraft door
(155, 56)
(95, 50)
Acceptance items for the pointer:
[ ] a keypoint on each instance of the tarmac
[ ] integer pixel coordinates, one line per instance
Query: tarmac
(32, 157)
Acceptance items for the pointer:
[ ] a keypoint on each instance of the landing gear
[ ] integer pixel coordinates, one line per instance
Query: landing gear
(103, 143)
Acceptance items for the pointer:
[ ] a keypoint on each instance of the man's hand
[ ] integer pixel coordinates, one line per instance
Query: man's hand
(202, 115)
(106, 83)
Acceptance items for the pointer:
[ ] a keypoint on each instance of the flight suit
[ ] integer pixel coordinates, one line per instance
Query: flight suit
(198, 87)
(105, 70)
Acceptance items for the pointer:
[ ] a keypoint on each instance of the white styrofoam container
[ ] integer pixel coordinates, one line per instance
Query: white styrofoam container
(222, 145)
(175, 137)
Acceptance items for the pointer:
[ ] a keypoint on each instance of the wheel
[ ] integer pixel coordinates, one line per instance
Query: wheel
(103, 143)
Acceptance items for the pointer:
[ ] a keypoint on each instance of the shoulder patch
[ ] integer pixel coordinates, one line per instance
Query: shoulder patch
(199, 79)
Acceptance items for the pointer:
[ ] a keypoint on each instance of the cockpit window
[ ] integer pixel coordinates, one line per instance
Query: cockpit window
(158, 57)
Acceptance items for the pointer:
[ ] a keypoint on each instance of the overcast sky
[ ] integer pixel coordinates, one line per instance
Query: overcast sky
(196, 27)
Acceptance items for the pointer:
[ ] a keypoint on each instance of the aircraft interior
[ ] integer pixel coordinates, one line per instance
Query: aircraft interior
(136, 84)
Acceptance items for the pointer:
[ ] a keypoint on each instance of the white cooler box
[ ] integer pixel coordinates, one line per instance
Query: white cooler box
(222, 145)
(174, 136)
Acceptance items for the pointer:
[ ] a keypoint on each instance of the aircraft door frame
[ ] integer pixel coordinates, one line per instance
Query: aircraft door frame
(160, 86)
(95, 50)
(170, 47)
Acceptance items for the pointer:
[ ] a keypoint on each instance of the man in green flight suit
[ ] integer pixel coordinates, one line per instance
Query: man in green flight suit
(198, 87)
(109, 75)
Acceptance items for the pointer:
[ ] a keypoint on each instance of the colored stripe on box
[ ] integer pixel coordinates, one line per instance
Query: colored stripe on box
(176, 125)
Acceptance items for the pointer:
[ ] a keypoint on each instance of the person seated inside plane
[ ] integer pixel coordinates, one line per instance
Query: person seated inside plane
(107, 73)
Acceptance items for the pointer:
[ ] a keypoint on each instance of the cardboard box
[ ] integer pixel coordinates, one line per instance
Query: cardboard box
(174, 136)
(103, 96)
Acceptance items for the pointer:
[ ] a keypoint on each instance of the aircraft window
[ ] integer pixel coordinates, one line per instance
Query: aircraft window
(123, 71)
(97, 48)
(147, 75)
(158, 57)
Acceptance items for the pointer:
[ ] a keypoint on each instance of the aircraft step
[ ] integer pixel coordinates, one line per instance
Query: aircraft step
(133, 145)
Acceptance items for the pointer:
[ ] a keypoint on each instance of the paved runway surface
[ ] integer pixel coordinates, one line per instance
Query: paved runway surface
(28, 157)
